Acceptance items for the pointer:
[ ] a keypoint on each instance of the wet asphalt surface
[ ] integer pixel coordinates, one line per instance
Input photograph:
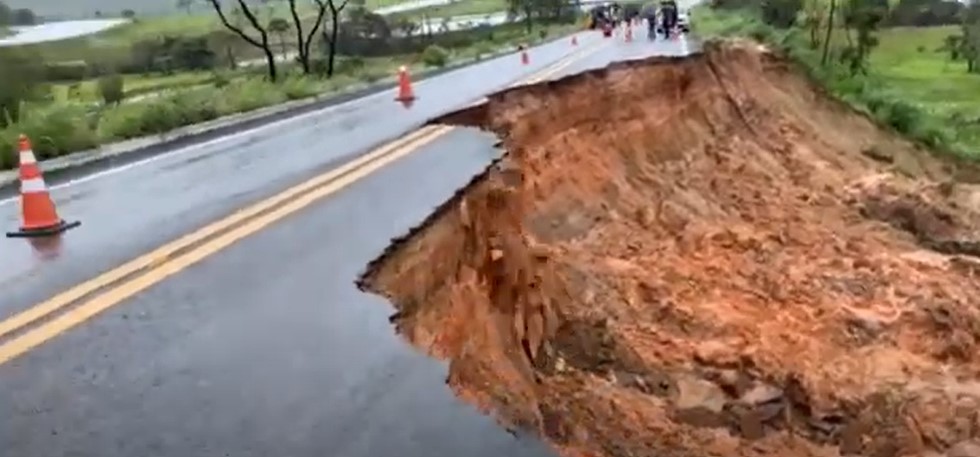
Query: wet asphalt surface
(266, 348)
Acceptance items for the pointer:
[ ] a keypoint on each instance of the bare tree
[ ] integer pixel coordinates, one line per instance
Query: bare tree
(303, 42)
(330, 36)
(261, 43)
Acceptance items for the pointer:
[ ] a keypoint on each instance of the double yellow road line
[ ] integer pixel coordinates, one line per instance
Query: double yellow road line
(44, 321)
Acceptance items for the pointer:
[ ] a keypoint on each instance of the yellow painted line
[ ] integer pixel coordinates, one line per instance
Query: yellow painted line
(164, 252)
(167, 260)
(96, 305)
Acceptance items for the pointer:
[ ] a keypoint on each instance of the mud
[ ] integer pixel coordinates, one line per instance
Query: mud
(702, 257)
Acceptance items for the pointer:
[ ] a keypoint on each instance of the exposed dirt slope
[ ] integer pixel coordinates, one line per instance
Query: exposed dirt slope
(701, 257)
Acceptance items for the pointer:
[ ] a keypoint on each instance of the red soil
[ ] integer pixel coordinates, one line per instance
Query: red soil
(699, 257)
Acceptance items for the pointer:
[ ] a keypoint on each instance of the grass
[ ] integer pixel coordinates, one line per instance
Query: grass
(911, 83)
(910, 63)
(134, 85)
(66, 126)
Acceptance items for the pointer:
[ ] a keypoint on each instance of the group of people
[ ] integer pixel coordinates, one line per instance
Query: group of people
(661, 19)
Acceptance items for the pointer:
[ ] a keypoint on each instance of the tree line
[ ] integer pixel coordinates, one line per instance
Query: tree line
(360, 22)
(861, 19)
(14, 17)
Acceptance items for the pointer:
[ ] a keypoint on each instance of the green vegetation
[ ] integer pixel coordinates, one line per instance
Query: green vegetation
(15, 16)
(435, 56)
(70, 116)
(159, 73)
(111, 89)
(891, 59)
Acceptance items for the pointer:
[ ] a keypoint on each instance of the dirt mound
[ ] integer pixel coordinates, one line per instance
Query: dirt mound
(700, 257)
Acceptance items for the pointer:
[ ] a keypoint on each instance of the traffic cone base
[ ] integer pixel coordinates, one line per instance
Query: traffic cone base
(57, 229)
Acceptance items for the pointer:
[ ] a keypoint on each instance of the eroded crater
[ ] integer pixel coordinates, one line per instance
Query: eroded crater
(699, 257)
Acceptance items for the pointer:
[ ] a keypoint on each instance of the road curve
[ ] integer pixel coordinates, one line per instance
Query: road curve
(253, 340)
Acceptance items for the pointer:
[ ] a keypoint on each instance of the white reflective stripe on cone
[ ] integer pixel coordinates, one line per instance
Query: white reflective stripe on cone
(30, 186)
(27, 157)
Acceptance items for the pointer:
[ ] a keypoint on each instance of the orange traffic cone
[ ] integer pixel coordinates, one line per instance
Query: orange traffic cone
(405, 92)
(40, 218)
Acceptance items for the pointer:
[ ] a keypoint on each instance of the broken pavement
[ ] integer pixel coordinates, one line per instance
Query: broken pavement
(701, 256)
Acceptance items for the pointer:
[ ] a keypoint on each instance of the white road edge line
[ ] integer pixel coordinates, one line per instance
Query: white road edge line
(214, 142)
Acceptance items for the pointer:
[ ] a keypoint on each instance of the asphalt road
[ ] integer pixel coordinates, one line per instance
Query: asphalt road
(261, 346)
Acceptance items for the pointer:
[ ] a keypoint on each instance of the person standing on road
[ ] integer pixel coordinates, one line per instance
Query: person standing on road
(668, 17)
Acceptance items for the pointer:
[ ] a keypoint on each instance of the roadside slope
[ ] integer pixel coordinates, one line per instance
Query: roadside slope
(702, 256)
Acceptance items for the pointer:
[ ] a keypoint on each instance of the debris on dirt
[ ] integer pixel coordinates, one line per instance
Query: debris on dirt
(702, 257)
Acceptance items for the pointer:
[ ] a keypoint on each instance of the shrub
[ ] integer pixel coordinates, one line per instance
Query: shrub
(220, 79)
(297, 88)
(370, 75)
(874, 102)
(435, 56)
(8, 147)
(935, 137)
(761, 33)
(138, 119)
(249, 94)
(70, 71)
(19, 75)
(483, 48)
(781, 13)
(319, 66)
(111, 89)
(902, 115)
(194, 106)
(58, 130)
(350, 65)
